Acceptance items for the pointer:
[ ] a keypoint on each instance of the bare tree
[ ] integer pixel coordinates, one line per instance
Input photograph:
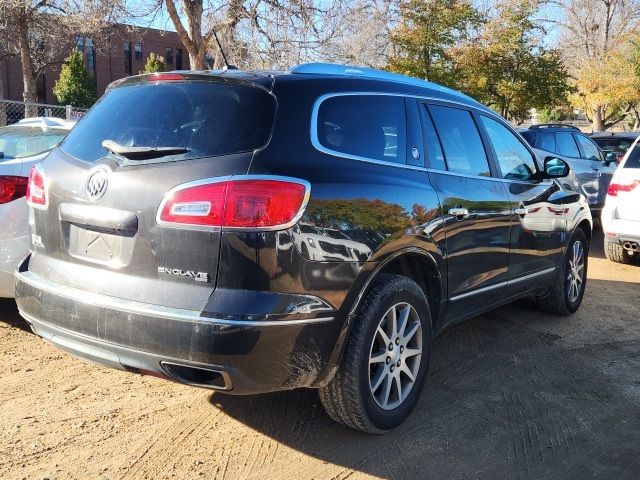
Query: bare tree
(45, 31)
(594, 35)
(365, 36)
(264, 33)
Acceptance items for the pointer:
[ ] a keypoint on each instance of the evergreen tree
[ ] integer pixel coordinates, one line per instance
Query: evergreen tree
(75, 86)
(155, 63)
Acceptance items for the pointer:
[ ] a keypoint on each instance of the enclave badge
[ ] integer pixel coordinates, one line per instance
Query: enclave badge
(176, 272)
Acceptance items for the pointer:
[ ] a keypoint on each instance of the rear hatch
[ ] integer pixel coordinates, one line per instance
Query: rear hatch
(104, 184)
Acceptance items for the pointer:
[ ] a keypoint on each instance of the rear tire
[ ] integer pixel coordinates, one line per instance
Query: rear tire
(567, 290)
(616, 253)
(373, 389)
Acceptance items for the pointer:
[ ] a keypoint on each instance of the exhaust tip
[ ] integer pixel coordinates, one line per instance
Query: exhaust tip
(198, 376)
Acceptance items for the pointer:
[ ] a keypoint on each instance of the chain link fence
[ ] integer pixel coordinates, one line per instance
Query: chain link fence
(12, 111)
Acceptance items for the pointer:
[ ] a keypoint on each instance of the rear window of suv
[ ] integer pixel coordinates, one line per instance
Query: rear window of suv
(633, 161)
(207, 118)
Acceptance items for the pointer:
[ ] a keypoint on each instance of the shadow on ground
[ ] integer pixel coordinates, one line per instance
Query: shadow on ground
(511, 394)
(9, 315)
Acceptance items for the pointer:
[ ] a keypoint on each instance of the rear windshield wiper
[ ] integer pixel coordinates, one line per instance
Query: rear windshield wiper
(141, 153)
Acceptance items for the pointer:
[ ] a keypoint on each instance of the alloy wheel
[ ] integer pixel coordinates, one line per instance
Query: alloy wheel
(575, 278)
(395, 355)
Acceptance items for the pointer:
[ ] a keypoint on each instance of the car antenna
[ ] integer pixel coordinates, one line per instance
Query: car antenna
(227, 66)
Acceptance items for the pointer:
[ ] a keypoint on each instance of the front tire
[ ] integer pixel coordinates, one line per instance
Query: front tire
(616, 252)
(568, 288)
(384, 366)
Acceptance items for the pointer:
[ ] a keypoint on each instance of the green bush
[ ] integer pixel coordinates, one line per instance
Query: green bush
(75, 86)
(155, 63)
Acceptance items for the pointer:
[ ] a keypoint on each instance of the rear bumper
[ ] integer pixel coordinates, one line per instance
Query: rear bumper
(621, 229)
(238, 356)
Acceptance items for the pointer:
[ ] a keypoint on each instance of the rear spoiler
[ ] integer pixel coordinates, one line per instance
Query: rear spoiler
(251, 79)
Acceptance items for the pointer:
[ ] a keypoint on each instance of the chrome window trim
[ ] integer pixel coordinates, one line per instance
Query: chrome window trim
(140, 308)
(315, 141)
(235, 178)
(502, 284)
(465, 175)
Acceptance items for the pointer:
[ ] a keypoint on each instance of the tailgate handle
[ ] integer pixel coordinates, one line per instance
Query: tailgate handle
(99, 217)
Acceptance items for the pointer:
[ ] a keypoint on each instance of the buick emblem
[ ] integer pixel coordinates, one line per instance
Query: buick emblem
(97, 183)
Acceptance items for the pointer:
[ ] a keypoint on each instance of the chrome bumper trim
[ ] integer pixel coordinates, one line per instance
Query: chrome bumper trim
(130, 306)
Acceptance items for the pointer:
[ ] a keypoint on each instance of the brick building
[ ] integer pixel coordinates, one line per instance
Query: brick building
(118, 53)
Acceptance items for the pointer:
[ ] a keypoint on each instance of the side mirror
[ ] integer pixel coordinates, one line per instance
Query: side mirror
(555, 168)
(610, 157)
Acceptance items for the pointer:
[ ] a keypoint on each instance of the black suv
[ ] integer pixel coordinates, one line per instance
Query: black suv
(260, 231)
(591, 169)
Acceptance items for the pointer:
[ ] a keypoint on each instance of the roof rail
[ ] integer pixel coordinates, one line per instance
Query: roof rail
(353, 71)
(554, 125)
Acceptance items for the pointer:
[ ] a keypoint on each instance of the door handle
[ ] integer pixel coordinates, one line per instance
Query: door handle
(520, 211)
(459, 212)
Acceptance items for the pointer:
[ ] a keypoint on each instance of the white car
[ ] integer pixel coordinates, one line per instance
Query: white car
(621, 213)
(22, 145)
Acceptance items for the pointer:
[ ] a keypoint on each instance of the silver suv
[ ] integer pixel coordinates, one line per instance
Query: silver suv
(591, 169)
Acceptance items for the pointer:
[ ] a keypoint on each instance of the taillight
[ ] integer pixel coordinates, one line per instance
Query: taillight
(615, 188)
(37, 188)
(255, 203)
(12, 188)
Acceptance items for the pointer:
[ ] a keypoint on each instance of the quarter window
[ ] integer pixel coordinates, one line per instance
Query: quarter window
(367, 126)
(461, 141)
(590, 150)
(567, 145)
(515, 161)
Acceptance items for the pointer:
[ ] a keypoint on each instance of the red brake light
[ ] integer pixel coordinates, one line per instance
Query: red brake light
(262, 203)
(251, 203)
(165, 77)
(12, 188)
(195, 205)
(36, 188)
(614, 188)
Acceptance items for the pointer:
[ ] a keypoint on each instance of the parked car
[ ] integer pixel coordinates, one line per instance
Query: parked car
(591, 169)
(159, 230)
(21, 146)
(621, 213)
(615, 142)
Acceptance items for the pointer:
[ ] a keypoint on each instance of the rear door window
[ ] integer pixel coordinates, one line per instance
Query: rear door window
(589, 148)
(567, 145)
(371, 127)
(461, 142)
(206, 118)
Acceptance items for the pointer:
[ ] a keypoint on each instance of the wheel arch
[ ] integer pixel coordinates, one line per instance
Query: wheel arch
(586, 226)
(416, 263)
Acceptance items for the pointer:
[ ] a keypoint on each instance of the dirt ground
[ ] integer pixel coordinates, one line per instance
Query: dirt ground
(512, 394)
